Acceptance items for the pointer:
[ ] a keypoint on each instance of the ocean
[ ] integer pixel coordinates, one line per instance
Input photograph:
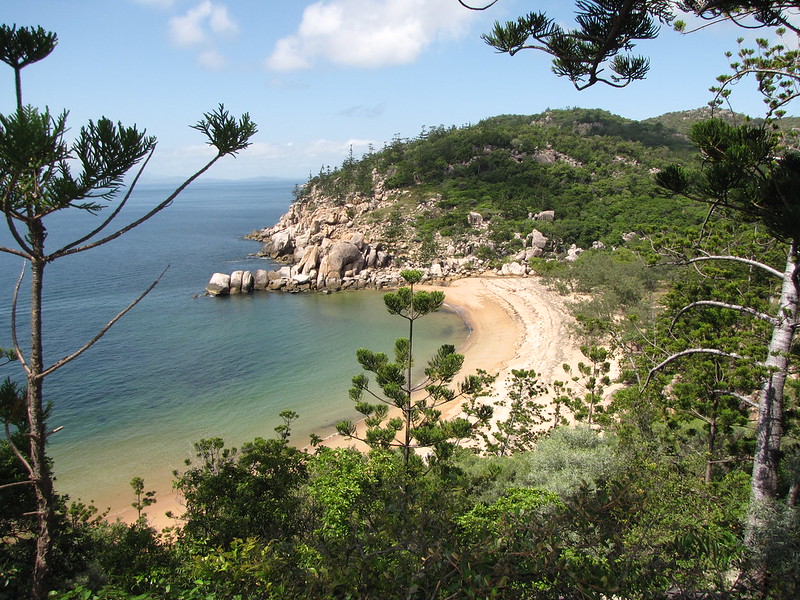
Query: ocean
(183, 366)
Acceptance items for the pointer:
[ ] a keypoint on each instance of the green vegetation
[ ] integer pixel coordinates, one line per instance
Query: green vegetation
(650, 501)
(43, 173)
(420, 423)
(682, 483)
(594, 169)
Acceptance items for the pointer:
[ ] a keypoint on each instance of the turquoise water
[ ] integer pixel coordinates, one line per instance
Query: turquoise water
(182, 366)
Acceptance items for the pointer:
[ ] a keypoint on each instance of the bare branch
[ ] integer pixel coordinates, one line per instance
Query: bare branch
(101, 333)
(737, 307)
(115, 212)
(747, 261)
(468, 7)
(741, 397)
(17, 237)
(17, 453)
(12, 251)
(689, 352)
(16, 483)
(14, 340)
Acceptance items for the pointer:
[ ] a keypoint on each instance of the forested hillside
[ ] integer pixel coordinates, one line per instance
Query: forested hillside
(594, 169)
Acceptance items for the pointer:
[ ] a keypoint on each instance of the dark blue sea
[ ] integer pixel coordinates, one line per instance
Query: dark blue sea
(182, 366)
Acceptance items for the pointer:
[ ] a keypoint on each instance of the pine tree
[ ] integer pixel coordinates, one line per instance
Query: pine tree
(37, 180)
(419, 423)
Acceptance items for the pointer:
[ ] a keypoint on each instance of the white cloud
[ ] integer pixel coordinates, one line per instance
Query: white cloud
(197, 25)
(368, 33)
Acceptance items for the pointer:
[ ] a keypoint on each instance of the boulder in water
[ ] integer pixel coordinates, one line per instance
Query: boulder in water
(219, 285)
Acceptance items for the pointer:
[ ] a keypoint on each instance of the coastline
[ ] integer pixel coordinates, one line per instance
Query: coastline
(514, 323)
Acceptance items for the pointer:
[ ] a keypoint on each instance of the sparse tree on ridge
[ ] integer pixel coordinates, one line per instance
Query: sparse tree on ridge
(37, 179)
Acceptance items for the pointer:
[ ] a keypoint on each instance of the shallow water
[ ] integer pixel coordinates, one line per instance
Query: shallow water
(182, 366)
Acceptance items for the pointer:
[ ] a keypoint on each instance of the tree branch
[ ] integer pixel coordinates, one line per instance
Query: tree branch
(17, 453)
(14, 339)
(690, 351)
(468, 7)
(101, 333)
(17, 237)
(747, 261)
(139, 221)
(607, 45)
(742, 398)
(744, 309)
(116, 211)
(14, 252)
(16, 483)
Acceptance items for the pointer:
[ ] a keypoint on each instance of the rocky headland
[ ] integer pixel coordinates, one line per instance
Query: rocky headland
(331, 245)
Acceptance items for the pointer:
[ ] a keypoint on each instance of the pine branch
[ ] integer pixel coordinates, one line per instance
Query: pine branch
(137, 222)
(115, 212)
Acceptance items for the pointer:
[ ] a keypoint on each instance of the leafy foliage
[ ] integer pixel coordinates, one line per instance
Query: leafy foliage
(233, 494)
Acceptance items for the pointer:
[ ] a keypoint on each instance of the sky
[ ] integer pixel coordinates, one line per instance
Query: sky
(320, 77)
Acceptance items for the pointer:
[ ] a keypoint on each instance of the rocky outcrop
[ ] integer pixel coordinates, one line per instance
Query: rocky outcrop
(475, 220)
(545, 215)
(328, 244)
(219, 285)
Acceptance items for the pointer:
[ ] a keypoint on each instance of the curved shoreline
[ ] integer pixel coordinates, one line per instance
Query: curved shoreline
(514, 323)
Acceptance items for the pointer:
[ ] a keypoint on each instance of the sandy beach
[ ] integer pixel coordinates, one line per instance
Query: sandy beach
(515, 323)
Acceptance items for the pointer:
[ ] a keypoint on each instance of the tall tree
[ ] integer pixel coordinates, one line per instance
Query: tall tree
(746, 171)
(37, 180)
(420, 423)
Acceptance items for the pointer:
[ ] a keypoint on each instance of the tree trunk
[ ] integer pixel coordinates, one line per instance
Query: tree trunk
(712, 443)
(40, 469)
(764, 486)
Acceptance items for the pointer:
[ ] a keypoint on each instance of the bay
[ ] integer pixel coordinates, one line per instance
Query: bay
(182, 366)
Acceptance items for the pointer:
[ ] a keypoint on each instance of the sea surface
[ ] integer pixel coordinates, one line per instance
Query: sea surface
(182, 366)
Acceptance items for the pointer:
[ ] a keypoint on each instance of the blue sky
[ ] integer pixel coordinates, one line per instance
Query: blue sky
(322, 76)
